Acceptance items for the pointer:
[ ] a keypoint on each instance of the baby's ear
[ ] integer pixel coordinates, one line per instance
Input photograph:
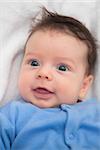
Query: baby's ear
(85, 86)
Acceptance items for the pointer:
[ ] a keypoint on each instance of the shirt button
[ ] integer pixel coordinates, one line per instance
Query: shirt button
(65, 107)
(71, 136)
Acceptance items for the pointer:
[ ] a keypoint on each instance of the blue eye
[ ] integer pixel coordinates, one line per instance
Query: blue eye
(62, 67)
(34, 63)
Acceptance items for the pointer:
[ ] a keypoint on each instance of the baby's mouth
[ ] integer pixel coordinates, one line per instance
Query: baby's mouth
(42, 90)
(42, 93)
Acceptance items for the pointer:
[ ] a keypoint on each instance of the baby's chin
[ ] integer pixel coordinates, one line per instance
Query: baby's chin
(43, 104)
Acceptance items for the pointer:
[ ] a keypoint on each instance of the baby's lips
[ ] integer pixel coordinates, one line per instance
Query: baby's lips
(42, 90)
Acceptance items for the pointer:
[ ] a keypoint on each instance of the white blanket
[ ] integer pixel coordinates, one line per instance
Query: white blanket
(15, 21)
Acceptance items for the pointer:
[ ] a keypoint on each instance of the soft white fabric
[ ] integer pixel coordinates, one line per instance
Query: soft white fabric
(15, 22)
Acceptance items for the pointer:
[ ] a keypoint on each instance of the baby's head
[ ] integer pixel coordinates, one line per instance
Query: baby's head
(59, 62)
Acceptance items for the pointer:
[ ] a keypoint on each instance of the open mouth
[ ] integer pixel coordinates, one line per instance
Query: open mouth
(42, 93)
(42, 90)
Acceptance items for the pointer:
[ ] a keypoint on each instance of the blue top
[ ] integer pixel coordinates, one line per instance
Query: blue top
(24, 126)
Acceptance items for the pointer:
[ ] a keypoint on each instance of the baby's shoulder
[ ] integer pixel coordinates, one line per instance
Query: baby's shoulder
(18, 107)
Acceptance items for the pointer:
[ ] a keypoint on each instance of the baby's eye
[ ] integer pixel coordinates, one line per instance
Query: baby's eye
(62, 67)
(34, 63)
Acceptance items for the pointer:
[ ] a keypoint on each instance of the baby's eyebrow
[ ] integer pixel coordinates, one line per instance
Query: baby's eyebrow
(65, 59)
(28, 54)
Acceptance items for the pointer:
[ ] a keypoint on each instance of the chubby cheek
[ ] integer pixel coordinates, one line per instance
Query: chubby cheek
(24, 83)
(67, 92)
(67, 96)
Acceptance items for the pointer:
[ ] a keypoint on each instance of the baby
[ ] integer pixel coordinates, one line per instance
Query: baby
(56, 73)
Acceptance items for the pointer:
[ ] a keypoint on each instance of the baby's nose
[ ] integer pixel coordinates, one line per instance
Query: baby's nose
(44, 74)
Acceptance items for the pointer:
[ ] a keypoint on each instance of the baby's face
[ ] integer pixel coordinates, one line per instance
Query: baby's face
(53, 69)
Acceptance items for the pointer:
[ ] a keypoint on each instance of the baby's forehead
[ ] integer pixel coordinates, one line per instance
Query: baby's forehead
(55, 41)
(52, 33)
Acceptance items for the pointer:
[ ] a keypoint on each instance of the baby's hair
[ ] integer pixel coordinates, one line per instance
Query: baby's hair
(68, 25)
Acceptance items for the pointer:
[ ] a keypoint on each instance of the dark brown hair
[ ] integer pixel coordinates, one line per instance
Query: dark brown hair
(68, 25)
